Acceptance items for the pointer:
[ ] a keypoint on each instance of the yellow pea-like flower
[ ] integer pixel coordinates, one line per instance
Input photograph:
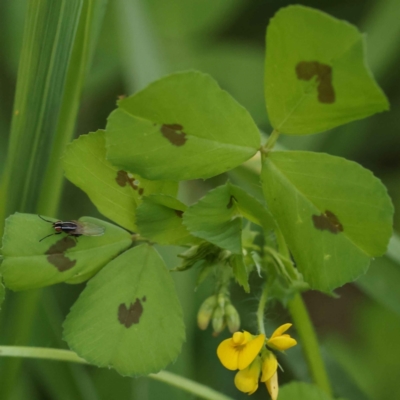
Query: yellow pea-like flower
(246, 380)
(269, 365)
(281, 341)
(240, 350)
(272, 386)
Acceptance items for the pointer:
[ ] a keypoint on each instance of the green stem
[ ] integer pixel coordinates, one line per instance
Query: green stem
(309, 341)
(261, 309)
(180, 382)
(273, 137)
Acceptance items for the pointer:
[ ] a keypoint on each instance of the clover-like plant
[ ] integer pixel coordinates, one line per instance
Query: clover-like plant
(320, 222)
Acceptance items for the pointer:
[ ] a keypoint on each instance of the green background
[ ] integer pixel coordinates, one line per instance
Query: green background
(142, 40)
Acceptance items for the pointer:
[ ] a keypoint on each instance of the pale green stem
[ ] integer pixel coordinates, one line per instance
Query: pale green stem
(273, 137)
(180, 382)
(309, 342)
(261, 310)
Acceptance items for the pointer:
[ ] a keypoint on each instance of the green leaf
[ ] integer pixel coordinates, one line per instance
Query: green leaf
(182, 126)
(159, 218)
(316, 76)
(333, 213)
(29, 263)
(215, 217)
(250, 208)
(302, 391)
(129, 316)
(240, 271)
(115, 192)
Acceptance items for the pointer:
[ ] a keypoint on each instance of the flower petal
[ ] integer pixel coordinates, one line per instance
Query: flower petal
(247, 379)
(279, 331)
(250, 351)
(228, 354)
(241, 338)
(272, 386)
(269, 366)
(281, 342)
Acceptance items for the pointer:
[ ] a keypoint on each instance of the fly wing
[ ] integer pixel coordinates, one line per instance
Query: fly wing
(88, 229)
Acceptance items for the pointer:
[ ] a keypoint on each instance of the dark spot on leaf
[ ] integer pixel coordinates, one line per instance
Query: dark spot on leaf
(174, 133)
(56, 254)
(305, 70)
(179, 213)
(230, 204)
(123, 179)
(327, 221)
(144, 298)
(141, 191)
(131, 315)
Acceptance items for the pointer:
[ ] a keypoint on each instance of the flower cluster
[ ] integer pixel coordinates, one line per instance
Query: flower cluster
(255, 362)
(219, 310)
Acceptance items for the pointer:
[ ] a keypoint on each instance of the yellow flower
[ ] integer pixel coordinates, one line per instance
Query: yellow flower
(269, 369)
(269, 365)
(272, 386)
(279, 341)
(246, 380)
(240, 350)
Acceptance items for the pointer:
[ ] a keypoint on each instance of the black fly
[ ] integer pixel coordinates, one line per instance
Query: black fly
(74, 228)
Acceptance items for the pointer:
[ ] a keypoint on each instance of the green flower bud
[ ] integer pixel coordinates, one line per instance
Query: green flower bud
(232, 318)
(206, 311)
(218, 320)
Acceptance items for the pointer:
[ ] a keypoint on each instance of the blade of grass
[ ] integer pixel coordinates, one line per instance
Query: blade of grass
(48, 36)
(85, 40)
(49, 33)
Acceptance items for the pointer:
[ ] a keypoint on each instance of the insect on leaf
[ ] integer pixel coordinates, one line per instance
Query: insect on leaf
(29, 263)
